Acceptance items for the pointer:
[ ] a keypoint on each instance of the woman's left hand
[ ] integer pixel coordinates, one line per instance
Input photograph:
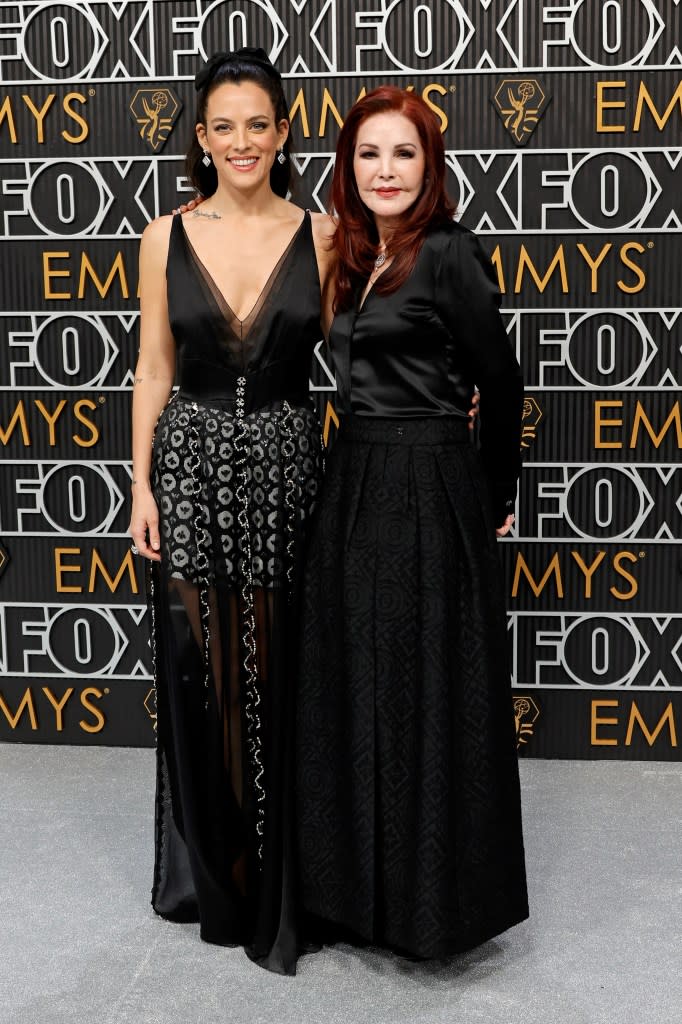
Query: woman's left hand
(191, 205)
(502, 531)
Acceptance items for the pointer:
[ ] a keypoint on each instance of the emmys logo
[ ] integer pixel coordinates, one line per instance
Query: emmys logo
(526, 714)
(520, 104)
(4, 559)
(150, 706)
(532, 414)
(155, 111)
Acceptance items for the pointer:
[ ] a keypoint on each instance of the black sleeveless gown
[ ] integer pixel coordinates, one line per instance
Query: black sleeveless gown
(236, 469)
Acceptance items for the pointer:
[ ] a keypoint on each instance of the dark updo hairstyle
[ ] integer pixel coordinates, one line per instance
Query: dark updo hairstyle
(249, 64)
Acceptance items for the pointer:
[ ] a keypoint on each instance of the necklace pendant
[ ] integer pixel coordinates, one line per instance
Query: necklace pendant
(380, 260)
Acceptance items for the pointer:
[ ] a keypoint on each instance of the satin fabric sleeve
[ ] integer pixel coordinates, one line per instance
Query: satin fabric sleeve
(468, 301)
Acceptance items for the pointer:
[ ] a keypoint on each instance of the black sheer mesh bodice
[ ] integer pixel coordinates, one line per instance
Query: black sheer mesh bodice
(235, 472)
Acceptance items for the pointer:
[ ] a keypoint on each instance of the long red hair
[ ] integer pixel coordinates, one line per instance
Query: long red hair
(356, 237)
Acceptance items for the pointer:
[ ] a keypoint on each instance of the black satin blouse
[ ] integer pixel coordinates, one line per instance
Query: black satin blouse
(420, 352)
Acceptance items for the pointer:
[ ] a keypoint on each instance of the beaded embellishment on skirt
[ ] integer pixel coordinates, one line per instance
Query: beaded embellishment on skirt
(206, 462)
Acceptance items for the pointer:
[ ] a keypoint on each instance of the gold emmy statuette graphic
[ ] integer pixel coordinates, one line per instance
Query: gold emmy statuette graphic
(526, 714)
(150, 706)
(532, 414)
(520, 103)
(4, 559)
(155, 111)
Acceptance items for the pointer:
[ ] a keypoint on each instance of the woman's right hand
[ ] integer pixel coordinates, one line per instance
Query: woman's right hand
(473, 411)
(503, 530)
(144, 523)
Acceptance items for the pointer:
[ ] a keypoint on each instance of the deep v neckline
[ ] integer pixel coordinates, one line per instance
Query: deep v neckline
(262, 295)
(365, 295)
(364, 298)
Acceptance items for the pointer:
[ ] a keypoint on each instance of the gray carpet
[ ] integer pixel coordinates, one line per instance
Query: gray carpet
(80, 945)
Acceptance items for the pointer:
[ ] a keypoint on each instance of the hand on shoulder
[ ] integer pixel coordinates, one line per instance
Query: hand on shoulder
(191, 205)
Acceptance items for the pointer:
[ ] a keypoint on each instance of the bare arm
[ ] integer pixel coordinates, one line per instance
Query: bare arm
(153, 381)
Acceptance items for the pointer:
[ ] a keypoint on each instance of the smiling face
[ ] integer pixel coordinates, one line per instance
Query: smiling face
(241, 134)
(389, 165)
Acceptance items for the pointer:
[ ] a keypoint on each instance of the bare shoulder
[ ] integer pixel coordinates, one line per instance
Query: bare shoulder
(324, 227)
(154, 243)
(157, 230)
(323, 239)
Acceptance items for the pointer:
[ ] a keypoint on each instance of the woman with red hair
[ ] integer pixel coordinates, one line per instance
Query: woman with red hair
(408, 795)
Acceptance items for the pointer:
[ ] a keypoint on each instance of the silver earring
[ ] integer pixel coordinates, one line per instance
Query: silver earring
(281, 158)
(206, 158)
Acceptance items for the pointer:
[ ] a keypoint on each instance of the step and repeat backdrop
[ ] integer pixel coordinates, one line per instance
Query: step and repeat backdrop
(563, 128)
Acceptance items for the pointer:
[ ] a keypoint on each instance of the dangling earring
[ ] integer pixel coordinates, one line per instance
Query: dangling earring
(281, 157)
(206, 158)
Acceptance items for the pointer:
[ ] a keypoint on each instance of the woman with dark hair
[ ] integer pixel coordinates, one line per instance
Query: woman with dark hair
(225, 477)
(407, 784)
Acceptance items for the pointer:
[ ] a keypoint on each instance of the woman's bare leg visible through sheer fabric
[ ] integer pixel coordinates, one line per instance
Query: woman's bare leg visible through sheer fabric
(226, 661)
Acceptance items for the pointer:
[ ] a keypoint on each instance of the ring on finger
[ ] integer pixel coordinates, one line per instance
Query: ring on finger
(135, 550)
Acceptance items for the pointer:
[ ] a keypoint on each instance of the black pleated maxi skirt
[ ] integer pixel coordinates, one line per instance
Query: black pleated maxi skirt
(408, 810)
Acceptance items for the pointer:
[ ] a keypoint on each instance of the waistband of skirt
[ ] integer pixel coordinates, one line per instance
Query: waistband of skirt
(228, 403)
(285, 380)
(427, 430)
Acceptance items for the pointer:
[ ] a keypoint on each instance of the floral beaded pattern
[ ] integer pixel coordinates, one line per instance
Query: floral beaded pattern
(283, 461)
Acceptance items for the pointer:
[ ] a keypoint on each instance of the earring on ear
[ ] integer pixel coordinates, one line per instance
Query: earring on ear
(281, 157)
(206, 158)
